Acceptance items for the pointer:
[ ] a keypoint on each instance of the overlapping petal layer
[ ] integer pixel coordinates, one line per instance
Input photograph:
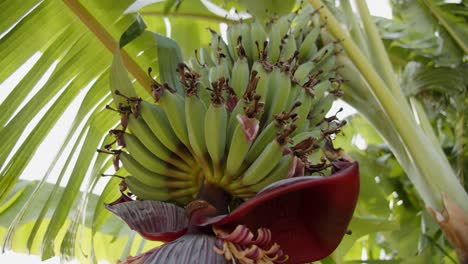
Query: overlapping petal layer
(307, 216)
(153, 220)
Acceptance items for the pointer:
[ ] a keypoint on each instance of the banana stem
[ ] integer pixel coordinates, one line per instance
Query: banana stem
(421, 117)
(460, 147)
(437, 172)
(355, 30)
(381, 57)
(109, 42)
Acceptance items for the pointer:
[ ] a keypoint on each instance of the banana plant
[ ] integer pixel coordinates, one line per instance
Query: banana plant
(374, 90)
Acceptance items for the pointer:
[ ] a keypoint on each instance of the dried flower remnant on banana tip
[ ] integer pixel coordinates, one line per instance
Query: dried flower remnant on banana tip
(219, 169)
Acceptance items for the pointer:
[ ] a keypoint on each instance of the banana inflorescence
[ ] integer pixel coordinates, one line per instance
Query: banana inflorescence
(252, 113)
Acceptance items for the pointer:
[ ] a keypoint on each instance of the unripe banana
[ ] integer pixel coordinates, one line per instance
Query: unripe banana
(326, 65)
(303, 111)
(215, 132)
(240, 76)
(288, 48)
(148, 177)
(204, 83)
(141, 130)
(320, 109)
(320, 89)
(262, 165)
(303, 71)
(220, 70)
(324, 52)
(195, 64)
(120, 82)
(283, 24)
(274, 44)
(233, 33)
(146, 192)
(218, 47)
(301, 21)
(308, 47)
(195, 111)
(279, 172)
(246, 41)
(267, 135)
(272, 88)
(205, 58)
(300, 77)
(315, 133)
(258, 36)
(149, 161)
(239, 147)
(262, 79)
(156, 119)
(279, 94)
(174, 106)
(232, 120)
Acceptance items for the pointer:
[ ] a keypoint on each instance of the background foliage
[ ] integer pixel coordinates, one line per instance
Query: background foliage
(425, 40)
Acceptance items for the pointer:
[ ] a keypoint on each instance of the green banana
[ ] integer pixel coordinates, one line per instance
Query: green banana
(240, 76)
(233, 33)
(308, 47)
(267, 135)
(279, 172)
(320, 89)
(274, 44)
(203, 83)
(232, 120)
(258, 36)
(205, 58)
(320, 109)
(288, 48)
(283, 24)
(262, 79)
(272, 88)
(148, 177)
(303, 71)
(218, 46)
(260, 168)
(195, 64)
(326, 65)
(239, 147)
(324, 52)
(156, 119)
(195, 111)
(146, 192)
(221, 70)
(140, 129)
(279, 94)
(149, 161)
(215, 133)
(315, 133)
(246, 41)
(173, 105)
(302, 111)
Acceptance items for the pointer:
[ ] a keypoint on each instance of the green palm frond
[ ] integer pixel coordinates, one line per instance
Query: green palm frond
(74, 41)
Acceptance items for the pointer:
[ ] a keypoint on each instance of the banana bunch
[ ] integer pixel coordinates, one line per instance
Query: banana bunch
(252, 113)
